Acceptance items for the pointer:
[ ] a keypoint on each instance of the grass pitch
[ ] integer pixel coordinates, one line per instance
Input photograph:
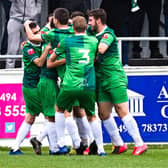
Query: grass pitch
(155, 157)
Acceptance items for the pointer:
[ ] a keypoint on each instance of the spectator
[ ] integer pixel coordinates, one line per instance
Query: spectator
(153, 11)
(52, 5)
(95, 4)
(20, 11)
(165, 12)
(116, 13)
(71, 5)
(6, 4)
(135, 25)
(2, 23)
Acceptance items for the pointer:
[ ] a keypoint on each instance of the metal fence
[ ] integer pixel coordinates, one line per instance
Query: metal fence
(120, 40)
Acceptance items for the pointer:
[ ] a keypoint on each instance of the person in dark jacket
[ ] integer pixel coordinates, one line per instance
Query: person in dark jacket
(116, 13)
(153, 10)
(71, 5)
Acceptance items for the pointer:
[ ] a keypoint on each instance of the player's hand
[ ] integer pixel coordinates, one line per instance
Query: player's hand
(22, 44)
(48, 47)
(27, 22)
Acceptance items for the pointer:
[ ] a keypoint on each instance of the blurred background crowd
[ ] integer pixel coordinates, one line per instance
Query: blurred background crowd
(128, 18)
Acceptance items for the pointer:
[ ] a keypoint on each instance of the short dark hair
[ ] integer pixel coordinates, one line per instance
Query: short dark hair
(98, 14)
(49, 15)
(52, 23)
(33, 25)
(77, 13)
(62, 15)
(79, 24)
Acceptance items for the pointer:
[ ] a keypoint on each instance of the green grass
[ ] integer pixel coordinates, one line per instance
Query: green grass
(155, 157)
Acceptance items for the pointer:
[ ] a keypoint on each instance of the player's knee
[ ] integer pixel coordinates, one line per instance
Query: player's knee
(30, 118)
(103, 116)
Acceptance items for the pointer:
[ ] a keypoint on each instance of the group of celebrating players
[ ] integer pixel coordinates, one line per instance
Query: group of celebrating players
(68, 66)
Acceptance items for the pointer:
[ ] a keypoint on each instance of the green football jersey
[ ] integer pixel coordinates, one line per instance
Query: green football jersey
(54, 36)
(79, 53)
(108, 65)
(44, 30)
(31, 71)
(47, 72)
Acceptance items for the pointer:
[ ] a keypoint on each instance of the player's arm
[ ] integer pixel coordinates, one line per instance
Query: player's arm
(105, 42)
(52, 62)
(22, 44)
(29, 33)
(102, 47)
(40, 61)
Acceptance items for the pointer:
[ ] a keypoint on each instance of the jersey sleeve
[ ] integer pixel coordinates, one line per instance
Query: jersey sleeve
(48, 36)
(107, 38)
(60, 48)
(30, 54)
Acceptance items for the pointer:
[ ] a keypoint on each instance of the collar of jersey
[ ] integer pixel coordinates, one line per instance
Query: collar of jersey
(81, 34)
(101, 31)
(36, 45)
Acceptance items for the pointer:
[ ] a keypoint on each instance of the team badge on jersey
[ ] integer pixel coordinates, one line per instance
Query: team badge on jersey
(50, 52)
(105, 36)
(31, 52)
(42, 32)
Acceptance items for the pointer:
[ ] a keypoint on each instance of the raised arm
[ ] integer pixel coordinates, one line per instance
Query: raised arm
(40, 61)
(29, 33)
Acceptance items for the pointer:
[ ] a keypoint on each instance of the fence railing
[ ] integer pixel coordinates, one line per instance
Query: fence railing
(120, 40)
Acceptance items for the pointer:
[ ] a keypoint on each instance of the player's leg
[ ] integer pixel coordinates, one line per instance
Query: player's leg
(52, 135)
(33, 108)
(48, 99)
(87, 101)
(73, 132)
(84, 128)
(120, 100)
(78, 114)
(104, 110)
(37, 141)
(44, 132)
(64, 101)
(85, 131)
(22, 133)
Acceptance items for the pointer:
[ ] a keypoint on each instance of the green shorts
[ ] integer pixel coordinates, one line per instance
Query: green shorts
(66, 100)
(76, 103)
(48, 91)
(32, 101)
(114, 95)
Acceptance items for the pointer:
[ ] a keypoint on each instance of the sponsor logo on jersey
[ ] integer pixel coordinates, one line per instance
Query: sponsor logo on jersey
(42, 32)
(105, 36)
(31, 52)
